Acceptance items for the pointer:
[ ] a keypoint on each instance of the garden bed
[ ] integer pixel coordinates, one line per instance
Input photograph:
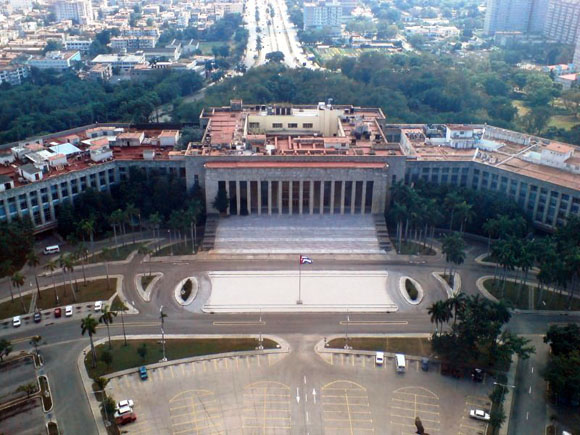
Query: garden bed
(45, 393)
(122, 254)
(94, 290)
(411, 289)
(412, 248)
(146, 280)
(126, 357)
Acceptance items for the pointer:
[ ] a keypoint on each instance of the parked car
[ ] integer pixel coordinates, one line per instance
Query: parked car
(57, 312)
(98, 306)
(37, 317)
(126, 418)
(479, 414)
(477, 375)
(16, 322)
(124, 403)
(49, 250)
(379, 358)
(143, 373)
(425, 364)
(123, 410)
(68, 310)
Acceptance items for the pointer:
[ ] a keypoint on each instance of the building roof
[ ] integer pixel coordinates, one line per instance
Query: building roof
(66, 149)
(287, 165)
(559, 147)
(30, 168)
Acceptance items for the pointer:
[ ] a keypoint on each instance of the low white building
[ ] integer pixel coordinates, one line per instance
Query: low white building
(55, 60)
(459, 136)
(100, 150)
(30, 172)
(169, 138)
(6, 183)
(81, 45)
(123, 63)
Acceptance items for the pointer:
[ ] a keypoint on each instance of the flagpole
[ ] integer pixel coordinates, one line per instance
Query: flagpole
(299, 301)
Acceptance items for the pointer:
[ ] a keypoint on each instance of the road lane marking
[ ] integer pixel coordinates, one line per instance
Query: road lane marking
(238, 323)
(373, 322)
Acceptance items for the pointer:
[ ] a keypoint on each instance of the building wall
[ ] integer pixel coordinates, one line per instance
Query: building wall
(507, 15)
(325, 122)
(563, 21)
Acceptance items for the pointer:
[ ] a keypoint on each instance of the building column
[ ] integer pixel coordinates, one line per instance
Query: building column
(322, 197)
(557, 210)
(269, 198)
(238, 199)
(9, 217)
(18, 208)
(364, 197)
(352, 196)
(249, 196)
(40, 207)
(30, 211)
(311, 199)
(279, 197)
(300, 196)
(342, 192)
(290, 195)
(332, 197)
(227, 184)
(98, 180)
(259, 185)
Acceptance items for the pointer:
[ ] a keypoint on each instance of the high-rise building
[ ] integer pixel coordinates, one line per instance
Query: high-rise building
(563, 21)
(79, 11)
(323, 15)
(526, 16)
(576, 60)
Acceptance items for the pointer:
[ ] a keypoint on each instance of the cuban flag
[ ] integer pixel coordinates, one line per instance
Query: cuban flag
(305, 260)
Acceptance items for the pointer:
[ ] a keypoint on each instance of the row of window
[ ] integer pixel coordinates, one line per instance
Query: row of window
(281, 125)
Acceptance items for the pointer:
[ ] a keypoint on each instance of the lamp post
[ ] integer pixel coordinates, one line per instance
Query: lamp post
(162, 316)
(346, 346)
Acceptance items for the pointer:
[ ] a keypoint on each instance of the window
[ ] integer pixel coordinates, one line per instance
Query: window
(277, 125)
(307, 125)
(292, 125)
(254, 125)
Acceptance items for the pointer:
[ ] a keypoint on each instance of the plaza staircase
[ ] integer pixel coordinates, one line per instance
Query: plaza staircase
(382, 233)
(211, 224)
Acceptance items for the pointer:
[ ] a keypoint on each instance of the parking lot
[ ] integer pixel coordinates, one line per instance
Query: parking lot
(300, 393)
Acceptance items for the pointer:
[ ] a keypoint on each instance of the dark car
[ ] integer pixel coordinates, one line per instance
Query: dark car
(57, 312)
(425, 364)
(143, 373)
(37, 317)
(477, 375)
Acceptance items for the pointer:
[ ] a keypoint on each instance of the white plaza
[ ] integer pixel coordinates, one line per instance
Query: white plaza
(252, 291)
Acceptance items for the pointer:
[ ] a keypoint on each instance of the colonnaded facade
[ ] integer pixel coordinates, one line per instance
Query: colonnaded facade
(282, 159)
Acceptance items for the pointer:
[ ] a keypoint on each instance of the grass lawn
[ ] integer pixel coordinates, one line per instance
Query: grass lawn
(522, 109)
(117, 304)
(412, 248)
(146, 280)
(553, 301)
(95, 290)
(411, 289)
(14, 308)
(563, 121)
(406, 345)
(206, 46)
(178, 248)
(126, 357)
(124, 252)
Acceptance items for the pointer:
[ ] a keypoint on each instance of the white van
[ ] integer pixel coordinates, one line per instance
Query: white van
(55, 249)
(400, 362)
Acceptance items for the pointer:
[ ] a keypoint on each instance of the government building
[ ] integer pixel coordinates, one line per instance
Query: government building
(309, 160)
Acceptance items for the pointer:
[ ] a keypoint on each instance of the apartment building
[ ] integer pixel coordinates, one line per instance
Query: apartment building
(57, 60)
(79, 11)
(13, 74)
(323, 15)
(526, 16)
(563, 21)
(303, 159)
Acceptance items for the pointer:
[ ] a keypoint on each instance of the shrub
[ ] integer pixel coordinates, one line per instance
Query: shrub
(411, 290)
(186, 289)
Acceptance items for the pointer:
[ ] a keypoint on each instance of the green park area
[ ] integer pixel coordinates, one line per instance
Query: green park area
(418, 346)
(113, 254)
(142, 352)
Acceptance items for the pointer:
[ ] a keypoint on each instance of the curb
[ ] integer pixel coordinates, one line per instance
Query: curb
(456, 283)
(146, 293)
(319, 347)
(509, 402)
(405, 294)
(49, 392)
(178, 287)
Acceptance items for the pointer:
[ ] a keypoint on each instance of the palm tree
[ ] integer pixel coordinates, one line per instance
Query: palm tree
(525, 261)
(399, 214)
(67, 265)
(457, 304)
(80, 255)
(89, 326)
(438, 312)
(17, 280)
(452, 199)
(155, 222)
(454, 250)
(87, 226)
(131, 212)
(116, 220)
(5, 270)
(52, 266)
(465, 213)
(107, 318)
(102, 383)
(491, 227)
(33, 261)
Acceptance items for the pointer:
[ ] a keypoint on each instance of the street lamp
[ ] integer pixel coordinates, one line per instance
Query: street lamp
(346, 346)
(162, 316)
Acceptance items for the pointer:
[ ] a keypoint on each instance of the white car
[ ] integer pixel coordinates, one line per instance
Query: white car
(379, 358)
(16, 322)
(479, 414)
(124, 404)
(98, 306)
(123, 410)
(68, 310)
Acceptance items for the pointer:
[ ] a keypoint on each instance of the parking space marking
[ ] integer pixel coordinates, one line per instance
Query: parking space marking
(409, 403)
(469, 426)
(199, 410)
(266, 408)
(346, 408)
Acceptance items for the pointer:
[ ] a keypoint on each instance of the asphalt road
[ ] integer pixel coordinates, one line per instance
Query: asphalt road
(62, 340)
